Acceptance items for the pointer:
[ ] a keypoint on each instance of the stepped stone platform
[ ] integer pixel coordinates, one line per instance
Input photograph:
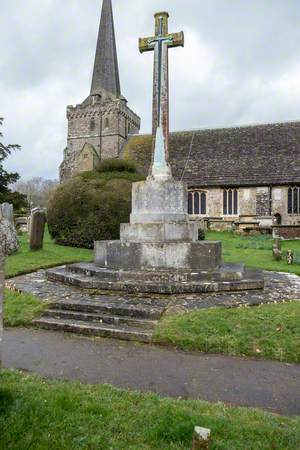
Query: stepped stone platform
(230, 277)
(120, 315)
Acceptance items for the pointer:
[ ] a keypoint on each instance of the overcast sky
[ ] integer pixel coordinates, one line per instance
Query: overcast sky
(240, 65)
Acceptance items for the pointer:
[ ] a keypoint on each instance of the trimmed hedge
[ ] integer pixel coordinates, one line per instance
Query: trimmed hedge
(91, 206)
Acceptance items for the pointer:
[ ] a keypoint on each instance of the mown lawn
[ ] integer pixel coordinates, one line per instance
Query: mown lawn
(39, 415)
(265, 331)
(20, 309)
(51, 255)
(255, 251)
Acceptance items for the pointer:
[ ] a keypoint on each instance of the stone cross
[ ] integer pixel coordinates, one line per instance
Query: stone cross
(160, 44)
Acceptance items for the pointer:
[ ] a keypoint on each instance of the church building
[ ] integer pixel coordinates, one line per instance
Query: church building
(240, 178)
(99, 127)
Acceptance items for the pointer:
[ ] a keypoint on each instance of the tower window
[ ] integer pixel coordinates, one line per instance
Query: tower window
(92, 125)
(106, 122)
(197, 203)
(294, 200)
(230, 202)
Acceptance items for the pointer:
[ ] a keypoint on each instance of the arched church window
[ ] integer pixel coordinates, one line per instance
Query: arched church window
(230, 202)
(294, 200)
(92, 125)
(197, 202)
(106, 122)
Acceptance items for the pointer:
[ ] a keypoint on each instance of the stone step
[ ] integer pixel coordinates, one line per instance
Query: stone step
(93, 329)
(228, 272)
(97, 318)
(113, 308)
(131, 287)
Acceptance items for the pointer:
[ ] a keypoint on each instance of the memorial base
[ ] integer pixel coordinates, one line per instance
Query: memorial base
(159, 252)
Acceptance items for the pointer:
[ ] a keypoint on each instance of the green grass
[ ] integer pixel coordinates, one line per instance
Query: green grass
(21, 309)
(38, 415)
(266, 331)
(255, 251)
(51, 255)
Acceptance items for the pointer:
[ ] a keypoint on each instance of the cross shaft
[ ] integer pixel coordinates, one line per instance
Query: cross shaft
(160, 43)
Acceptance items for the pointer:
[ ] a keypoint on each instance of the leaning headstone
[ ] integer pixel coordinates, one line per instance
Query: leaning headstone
(9, 237)
(37, 229)
(201, 439)
(1, 299)
(277, 254)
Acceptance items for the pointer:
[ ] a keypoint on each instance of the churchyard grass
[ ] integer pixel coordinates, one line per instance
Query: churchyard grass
(51, 255)
(38, 414)
(21, 309)
(255, 251)
(266, 331)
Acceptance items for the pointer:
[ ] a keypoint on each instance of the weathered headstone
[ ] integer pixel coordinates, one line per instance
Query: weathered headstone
(290, 257)
(1, 300)
(201, 439)
(277, 254)
(37, 229)
(9, 238)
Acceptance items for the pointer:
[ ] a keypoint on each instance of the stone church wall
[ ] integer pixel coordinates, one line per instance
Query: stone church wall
(104, 125)
(280, 206)
(254, 204)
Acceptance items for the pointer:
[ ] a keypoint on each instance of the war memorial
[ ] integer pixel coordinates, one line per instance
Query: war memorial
(159, 250)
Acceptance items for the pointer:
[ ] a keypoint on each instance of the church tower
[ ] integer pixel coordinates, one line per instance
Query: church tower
(99, 127)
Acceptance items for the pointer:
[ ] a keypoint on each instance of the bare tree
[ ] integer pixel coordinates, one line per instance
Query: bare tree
(37, 190)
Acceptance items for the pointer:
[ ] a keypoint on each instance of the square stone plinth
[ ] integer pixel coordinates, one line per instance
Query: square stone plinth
(201, 255)
(159, 201)
(159, 232)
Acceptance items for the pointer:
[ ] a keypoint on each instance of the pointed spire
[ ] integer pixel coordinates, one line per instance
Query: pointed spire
(106, 71)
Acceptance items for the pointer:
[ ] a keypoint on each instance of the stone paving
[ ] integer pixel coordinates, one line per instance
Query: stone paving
(278, 287)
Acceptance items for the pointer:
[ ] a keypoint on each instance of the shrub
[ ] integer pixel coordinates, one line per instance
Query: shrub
(201, 234)
(117, 165)
(90, 207)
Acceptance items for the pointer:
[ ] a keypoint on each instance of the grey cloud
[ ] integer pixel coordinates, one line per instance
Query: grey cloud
(238, 66)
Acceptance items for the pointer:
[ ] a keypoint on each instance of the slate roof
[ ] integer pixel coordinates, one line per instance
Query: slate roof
(256, 155)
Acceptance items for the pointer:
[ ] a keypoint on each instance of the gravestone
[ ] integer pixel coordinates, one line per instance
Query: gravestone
(1, 299)
(9, 238)
(277, 253)
(37, 229)
(290, 257)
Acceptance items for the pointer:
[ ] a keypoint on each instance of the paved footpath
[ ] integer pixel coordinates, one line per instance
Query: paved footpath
(264, 384)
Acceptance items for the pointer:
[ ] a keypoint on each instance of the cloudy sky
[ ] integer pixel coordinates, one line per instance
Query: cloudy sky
(240, 65)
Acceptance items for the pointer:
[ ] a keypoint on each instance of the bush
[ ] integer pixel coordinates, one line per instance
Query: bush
(201, 234)
(90, 207)
(117, 165)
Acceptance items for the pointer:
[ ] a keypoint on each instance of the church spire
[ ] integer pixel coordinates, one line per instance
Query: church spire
(106, 71)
